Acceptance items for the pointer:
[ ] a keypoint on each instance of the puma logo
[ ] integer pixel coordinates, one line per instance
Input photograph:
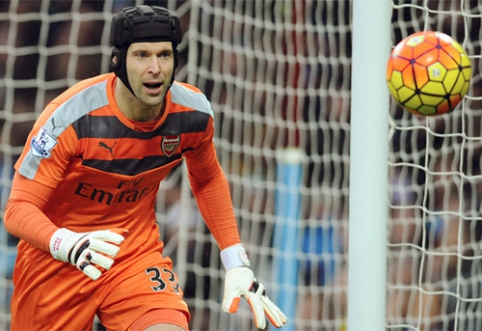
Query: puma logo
(53, 125)
(110, 149)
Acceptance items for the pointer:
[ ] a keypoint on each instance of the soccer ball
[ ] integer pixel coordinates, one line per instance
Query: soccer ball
(428, 73)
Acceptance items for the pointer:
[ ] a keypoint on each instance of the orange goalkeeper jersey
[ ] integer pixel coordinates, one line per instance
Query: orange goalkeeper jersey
(88, 167)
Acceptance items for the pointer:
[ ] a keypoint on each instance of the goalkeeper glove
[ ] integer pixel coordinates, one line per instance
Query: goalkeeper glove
(240, 282)
(82, 249)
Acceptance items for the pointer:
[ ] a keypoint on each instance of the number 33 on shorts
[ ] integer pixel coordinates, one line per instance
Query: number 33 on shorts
(161, 278)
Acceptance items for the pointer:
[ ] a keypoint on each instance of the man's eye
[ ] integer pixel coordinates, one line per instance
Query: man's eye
(140, 55)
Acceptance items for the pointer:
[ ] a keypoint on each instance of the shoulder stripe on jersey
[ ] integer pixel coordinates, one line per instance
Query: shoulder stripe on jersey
(91, 98)
(111, 127)
(186, 97)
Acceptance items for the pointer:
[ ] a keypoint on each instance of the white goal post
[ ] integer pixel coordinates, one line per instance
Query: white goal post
(283, 76)
(367, 256)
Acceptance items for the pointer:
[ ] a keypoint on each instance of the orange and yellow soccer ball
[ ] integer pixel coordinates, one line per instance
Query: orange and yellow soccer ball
(428, 73)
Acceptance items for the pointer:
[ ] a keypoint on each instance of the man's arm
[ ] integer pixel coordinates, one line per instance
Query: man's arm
(214, 201)
(23, 213)
(25, 219)
(213, 196)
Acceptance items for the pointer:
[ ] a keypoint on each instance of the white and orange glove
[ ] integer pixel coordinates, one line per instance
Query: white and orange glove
(84, 250)
(240, 282)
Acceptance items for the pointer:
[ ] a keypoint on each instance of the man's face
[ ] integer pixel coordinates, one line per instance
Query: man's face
(150, 67)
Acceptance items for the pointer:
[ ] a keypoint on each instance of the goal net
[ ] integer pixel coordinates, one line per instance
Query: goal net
(277, 73)
(434, 255)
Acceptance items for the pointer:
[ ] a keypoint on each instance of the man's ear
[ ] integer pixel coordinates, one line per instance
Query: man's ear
(115, 60)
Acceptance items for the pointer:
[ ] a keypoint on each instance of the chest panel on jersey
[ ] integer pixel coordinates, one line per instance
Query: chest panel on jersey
(106, 144)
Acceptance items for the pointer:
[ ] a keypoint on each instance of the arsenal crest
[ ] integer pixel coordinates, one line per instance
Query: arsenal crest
(169, 144)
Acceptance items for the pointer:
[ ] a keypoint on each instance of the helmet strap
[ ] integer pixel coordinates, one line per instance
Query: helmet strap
(119, 66)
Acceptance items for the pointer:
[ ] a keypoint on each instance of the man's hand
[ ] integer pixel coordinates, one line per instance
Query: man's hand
(83, 249)
(240, 282)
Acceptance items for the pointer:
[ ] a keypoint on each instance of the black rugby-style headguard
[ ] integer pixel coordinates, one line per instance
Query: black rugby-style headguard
(141, 24)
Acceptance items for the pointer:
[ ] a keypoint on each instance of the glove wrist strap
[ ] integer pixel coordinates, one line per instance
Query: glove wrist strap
(234, 256)
(56, 241)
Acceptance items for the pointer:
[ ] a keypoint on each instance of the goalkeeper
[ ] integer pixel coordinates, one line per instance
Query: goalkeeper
(83, 195)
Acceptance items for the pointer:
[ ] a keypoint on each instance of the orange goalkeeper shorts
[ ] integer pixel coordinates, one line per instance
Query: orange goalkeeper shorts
(53, 295)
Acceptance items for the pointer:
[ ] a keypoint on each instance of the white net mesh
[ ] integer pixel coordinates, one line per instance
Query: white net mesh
(435, 229)
(278, 75)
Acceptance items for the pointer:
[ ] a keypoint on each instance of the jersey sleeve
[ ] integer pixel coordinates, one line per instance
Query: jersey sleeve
(49, 148)
(211, 190)
(23, 213)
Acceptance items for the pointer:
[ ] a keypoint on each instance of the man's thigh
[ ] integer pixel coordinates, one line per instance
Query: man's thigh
(149, 284)
(54, 296)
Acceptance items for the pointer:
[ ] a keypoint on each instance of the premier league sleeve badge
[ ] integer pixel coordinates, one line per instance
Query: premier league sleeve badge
(43, 143)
